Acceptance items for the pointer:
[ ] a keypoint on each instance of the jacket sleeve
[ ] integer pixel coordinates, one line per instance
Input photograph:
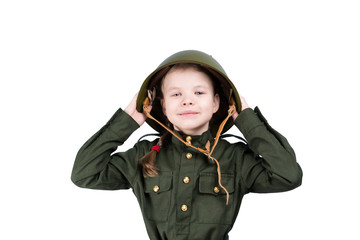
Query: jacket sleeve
(269, 162)
(96, 167)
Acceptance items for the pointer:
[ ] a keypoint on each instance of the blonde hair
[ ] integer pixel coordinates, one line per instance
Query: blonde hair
(148, 161)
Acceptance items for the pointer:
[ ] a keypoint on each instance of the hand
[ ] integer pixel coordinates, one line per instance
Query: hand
(244, 106)
(131, 110)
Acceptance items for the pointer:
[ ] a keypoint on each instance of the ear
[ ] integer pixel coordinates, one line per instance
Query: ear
(163, 106)
(216, 103)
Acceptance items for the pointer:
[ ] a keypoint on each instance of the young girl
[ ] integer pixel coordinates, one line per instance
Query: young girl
(190, 182)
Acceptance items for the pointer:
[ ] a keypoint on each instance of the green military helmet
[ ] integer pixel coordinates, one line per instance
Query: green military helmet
(224, 87)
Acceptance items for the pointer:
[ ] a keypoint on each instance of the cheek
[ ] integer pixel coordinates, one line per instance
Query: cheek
(163, 106)
(216, 104)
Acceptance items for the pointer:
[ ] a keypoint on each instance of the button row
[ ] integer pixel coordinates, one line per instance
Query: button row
(186, 180)
(156, 188)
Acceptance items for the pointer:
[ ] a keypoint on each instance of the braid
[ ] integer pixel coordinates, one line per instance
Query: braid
(148, 164)
(148, 161)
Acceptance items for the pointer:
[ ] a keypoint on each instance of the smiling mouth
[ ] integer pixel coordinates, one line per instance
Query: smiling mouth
(189, 113)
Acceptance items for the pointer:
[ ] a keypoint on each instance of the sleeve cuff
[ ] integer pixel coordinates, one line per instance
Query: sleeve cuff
(122, 124)
(248, 120)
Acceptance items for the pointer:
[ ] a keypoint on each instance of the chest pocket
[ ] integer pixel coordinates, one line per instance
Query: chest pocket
(157, 196)
(211, 205)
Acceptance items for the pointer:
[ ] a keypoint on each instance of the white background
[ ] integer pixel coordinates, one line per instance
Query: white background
(67, 66)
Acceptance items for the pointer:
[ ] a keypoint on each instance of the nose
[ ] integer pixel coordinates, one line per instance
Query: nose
(187, 101)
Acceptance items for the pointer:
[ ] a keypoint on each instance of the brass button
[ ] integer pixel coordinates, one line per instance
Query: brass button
(216, 190)
(188, 139)
(184, 208)
(188, 155)
(156, 188)
(186, 180)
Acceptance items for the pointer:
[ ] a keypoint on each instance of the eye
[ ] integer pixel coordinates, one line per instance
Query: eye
(199, 93)
(175, 94)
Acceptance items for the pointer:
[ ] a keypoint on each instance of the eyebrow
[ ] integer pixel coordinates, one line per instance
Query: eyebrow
(197, 86)
(201, 86)
(173, 88)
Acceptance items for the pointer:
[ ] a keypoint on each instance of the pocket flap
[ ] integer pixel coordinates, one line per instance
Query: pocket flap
(209, 183)
(158, 184)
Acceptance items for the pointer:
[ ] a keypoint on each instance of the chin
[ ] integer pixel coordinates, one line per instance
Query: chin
(191, 130)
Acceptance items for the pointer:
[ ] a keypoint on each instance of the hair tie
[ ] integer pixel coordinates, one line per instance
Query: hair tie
(156, 148)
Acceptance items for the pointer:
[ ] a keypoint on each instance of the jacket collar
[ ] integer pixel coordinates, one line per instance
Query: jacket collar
(196, 140)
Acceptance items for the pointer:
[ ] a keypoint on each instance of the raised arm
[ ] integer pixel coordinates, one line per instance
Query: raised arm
(269, 162)
(97, 167)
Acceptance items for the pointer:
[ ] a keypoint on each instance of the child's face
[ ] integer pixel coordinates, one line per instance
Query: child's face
(189, 101)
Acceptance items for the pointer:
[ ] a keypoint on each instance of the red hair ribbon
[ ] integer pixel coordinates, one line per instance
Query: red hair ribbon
(156, 148)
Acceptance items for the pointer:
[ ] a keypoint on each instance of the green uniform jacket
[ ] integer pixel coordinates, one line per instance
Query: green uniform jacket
(183, 202)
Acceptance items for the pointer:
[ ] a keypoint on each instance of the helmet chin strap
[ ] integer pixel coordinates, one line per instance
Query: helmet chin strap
(205, 151)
